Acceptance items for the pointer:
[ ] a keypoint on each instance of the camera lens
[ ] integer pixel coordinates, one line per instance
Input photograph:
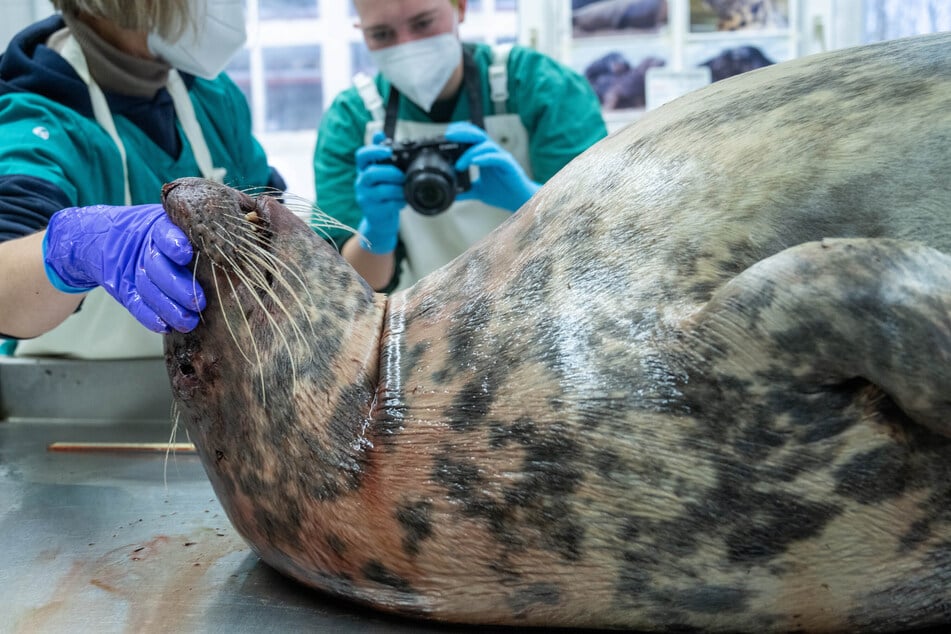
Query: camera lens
(429, 193)
(430, 186)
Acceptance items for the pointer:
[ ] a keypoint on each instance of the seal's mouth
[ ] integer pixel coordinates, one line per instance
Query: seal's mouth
(221, 223)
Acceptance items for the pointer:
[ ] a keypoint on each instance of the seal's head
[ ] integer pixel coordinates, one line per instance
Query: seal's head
(269, 280)
(285, 353)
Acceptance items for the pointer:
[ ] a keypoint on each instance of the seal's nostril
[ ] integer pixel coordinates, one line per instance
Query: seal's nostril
(168, 187)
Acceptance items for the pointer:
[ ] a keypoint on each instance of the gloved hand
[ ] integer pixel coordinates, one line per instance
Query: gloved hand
(502, 182)
(379, 190)
(136, 253)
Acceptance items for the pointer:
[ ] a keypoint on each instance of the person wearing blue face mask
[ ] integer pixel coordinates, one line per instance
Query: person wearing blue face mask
(100, 105)
(519, 115)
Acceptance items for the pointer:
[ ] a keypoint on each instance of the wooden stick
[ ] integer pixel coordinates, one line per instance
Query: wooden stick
(174, 447)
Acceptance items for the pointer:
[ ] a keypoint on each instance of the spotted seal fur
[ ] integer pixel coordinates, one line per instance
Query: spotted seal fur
(699, 381)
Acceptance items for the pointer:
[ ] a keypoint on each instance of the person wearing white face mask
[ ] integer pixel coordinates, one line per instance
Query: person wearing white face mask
(522, 115)
(100, 105)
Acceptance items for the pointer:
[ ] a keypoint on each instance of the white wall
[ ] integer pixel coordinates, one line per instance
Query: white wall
(18, 14)
(830, 24)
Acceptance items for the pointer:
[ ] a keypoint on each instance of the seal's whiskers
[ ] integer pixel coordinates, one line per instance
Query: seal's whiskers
(319, 221)
(265, 262)
(272, 265)
(247, 239)
(224, 315)
(201, 314)
(254, 346)
(242, 274)
(262, 190)
(305, 209)
(175, 415)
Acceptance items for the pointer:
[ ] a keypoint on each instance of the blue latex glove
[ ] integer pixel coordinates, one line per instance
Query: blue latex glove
(136, 253)
(379, 190)
(502, 182)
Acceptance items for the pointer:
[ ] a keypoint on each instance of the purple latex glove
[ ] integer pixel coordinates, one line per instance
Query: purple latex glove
(502, 182)
(379, 191)
(136, 253)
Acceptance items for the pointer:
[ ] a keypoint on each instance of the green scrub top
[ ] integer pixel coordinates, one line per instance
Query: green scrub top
(44, 139)
(557, 106)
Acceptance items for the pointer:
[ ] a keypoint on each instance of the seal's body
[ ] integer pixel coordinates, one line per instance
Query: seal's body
(700, 380)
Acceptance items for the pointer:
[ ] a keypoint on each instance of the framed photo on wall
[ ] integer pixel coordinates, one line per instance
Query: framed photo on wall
(618, 44)
(738, 15)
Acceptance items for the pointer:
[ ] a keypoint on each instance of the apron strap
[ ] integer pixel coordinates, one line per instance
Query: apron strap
(185, 112)
(73, 54)
(368, 92)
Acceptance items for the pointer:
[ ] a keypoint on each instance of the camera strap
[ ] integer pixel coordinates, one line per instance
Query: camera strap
(470, 83)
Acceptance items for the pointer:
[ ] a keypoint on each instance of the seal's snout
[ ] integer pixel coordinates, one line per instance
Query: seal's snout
(221, 222)
(167, 188)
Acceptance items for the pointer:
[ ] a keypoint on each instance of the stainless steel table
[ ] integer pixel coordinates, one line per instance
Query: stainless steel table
(127, 542)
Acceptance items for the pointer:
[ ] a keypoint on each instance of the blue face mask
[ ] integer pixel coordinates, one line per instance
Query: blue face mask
(421, 68)
(214, 33)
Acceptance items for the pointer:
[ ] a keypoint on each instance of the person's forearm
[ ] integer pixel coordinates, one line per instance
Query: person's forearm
(377, 270)
(29, 304)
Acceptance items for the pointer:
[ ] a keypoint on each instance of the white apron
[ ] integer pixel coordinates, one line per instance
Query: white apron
(433, 241)
(103, 328)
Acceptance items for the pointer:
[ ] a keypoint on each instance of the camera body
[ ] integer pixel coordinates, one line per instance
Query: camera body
(431, 180)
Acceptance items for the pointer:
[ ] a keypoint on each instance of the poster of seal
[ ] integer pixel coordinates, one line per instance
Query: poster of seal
(738, 15)
(616, 44)
(612, 17)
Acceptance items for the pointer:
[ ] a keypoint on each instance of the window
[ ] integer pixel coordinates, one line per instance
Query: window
(890, 19)
(284, 9)
(294, 92)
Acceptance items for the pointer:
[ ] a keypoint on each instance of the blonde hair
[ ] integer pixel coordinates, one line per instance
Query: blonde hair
(454, 3)
(169, 18)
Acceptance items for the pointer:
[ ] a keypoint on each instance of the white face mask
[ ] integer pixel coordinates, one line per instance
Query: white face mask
(421, 68)
(215, 33)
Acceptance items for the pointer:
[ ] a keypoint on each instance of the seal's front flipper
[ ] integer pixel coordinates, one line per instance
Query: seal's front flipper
(822, 314)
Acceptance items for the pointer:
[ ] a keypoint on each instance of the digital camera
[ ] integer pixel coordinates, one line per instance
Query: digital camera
(431, 180)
